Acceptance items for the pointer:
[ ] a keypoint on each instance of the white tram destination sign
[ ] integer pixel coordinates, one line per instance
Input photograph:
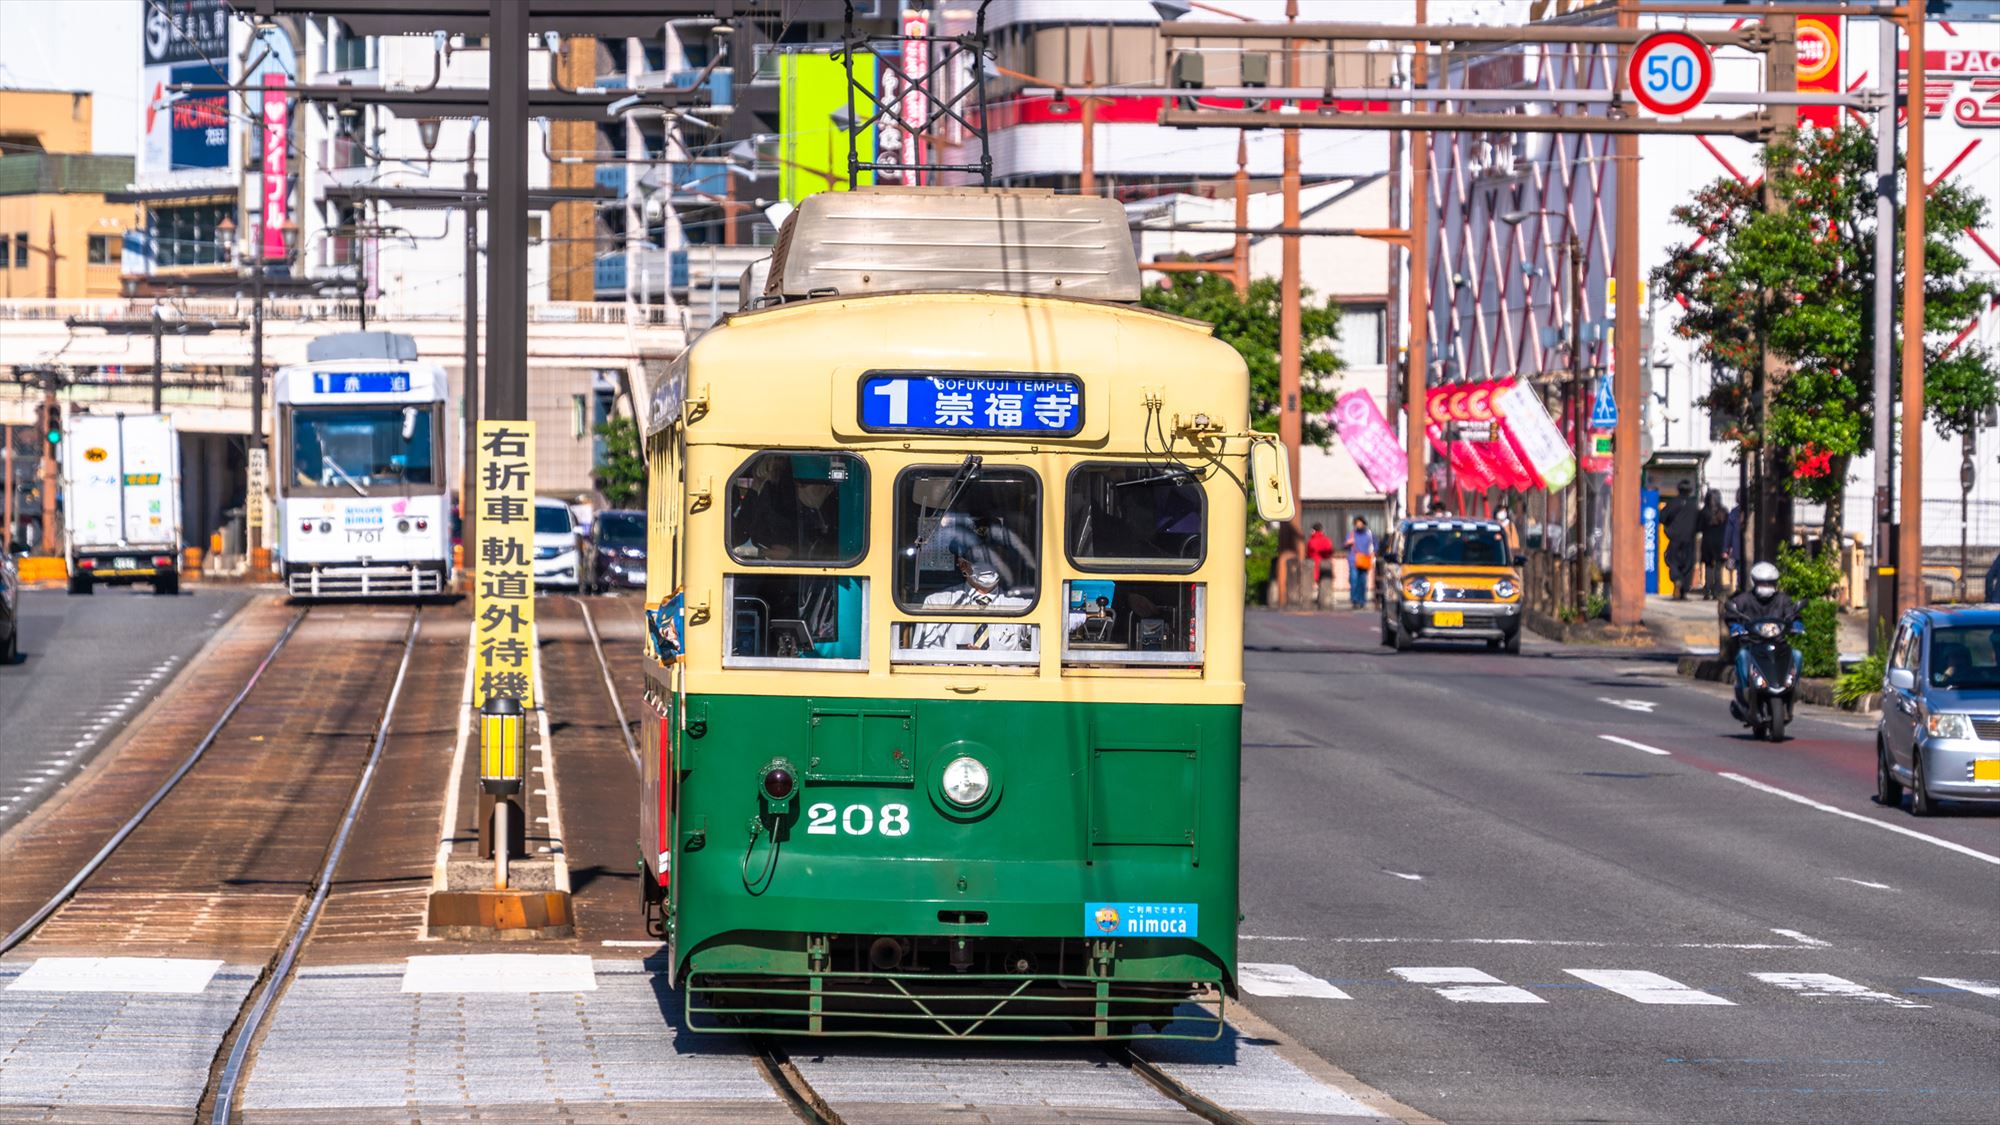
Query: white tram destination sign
(972, 403)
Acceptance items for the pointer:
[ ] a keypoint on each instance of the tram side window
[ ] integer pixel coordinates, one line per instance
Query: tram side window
(969, 540)
(1110, 621)
(785, 620)
(1136, 517)
(798, 508)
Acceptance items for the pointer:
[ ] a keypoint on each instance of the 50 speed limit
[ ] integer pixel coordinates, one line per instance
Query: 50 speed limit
(1669, 73)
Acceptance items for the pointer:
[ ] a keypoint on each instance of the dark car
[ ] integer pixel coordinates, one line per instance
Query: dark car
(620, 539)
(10, 606)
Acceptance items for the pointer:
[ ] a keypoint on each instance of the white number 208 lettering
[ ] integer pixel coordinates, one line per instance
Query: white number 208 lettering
(857, 820)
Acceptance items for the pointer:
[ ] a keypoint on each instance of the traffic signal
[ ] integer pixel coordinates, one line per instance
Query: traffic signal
(51, 415)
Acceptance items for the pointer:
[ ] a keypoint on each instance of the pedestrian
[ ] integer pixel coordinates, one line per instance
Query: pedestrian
(1360, 562)
(1319, 549)
(1732, 541)
(1682, 520)
(1714, 527)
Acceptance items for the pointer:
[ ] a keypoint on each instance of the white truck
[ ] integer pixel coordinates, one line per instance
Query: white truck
(122, 497)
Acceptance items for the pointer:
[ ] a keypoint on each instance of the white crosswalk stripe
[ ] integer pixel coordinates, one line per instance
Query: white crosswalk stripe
(1976, 987)
(1285, 980)
(1467, 985)
(1646, 988)
(1828, 986)
(116, 974)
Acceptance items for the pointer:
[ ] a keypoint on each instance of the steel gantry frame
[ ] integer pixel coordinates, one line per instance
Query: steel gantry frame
(1773, 38)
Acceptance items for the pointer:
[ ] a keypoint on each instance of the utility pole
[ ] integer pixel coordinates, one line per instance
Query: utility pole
(1241, 256)
(1086, 181)
(253, 529)
(1910, 536)
(7, 463)
(158, 365)
(1628, 589)
(1882, 586)
(51, 421)
(471, 374)
(1579, 413)
(507, 215)
(1416, 364)
(1291, 421)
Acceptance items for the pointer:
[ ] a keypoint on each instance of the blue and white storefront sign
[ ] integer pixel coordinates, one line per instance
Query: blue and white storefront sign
(360, 382)
(920, 402)
(1141, 919)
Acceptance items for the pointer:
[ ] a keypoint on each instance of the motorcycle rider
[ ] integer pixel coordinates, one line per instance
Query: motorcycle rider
(1763, 601)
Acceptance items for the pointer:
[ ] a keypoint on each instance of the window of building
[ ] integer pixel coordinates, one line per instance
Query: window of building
(350, 51)
(21, 251)
(968, 540)
(1135, 517)
(799, 509)
(187, 236)
(1361, 336)
(103, 248)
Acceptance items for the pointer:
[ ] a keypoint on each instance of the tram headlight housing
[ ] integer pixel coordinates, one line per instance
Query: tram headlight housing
(965, 781)
(777, 784)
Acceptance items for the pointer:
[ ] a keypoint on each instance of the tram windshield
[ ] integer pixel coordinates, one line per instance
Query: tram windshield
(360, 449)
(798, 508)
(971, 540)
(1135, 517)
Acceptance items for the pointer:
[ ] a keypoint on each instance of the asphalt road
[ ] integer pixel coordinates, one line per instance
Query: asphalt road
(88, 665)
(1475, 898)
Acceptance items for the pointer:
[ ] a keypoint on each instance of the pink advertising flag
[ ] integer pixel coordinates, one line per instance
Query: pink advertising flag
(1370, 440)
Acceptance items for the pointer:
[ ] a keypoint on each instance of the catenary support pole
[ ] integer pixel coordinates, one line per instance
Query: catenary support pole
(1291, 420)
(507, 217)
(1579, 412)
(158, 371)
(1416, 365)
(466, 483)
(1628, 556)
(1086, 181)
(1910, 537)
(1882, 588)
(51, 419)
(1241, 255)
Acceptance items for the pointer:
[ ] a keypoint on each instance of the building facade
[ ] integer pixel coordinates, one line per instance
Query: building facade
(59, 238)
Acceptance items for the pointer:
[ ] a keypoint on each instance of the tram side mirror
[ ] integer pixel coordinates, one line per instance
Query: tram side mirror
(409, 422)
(1271, 481)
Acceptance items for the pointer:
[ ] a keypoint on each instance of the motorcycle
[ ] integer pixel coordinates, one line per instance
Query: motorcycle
(1767, 675)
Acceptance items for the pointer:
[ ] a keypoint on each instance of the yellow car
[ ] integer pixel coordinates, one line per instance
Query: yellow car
(1450, 578)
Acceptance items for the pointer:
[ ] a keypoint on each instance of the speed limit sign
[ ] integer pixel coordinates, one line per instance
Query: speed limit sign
(1669, 73)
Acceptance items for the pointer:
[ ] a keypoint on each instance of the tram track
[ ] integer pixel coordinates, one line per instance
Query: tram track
(792, 1086)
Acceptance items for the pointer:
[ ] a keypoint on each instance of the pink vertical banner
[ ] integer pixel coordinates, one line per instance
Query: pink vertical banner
(276, 183)
(1370, 441)
(917, 100)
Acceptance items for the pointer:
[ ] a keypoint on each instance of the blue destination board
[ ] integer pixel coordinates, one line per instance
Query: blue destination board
(360, 382)
(905, 401)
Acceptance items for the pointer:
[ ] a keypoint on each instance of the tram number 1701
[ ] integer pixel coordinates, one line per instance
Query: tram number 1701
(857, 820)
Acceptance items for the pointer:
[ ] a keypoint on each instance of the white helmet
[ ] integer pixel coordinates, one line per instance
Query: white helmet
(1764, 579)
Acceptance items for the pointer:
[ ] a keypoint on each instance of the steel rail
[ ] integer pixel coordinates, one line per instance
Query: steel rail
(246, 1032)
(1172, 1088)
(792, 1088)
(20, 932)
(610, 687)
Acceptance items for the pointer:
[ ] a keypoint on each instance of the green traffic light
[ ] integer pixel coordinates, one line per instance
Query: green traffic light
(55, 437)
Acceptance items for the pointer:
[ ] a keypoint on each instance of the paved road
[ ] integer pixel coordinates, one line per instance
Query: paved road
(88, 664)
(1475, 899)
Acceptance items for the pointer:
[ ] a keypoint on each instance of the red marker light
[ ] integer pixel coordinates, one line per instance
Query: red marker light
(306, 525)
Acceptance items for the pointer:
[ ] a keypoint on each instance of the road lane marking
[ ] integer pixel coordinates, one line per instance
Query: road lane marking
(1976, 987)
(1803, 939)
(1647, 988)
(1882, 824)
(1403, 875)
(116, 974)
(500, 972)
(1284, 980)
(1865, 883)
(1828, 986)
(627, 943)
(1467, 985)
(1643, 706)
(1636, 745)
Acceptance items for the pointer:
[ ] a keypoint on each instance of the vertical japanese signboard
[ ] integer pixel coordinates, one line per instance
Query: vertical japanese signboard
(503, 606)
(277, 187)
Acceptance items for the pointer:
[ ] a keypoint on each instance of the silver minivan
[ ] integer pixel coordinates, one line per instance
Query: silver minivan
(1939, 735)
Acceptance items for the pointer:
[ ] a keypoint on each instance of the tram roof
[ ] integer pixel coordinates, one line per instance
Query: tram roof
(902, 239)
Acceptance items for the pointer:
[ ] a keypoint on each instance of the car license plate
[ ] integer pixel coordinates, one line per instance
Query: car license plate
(1448, 618)
(636, 575)
(123, 563)
(1986, 769)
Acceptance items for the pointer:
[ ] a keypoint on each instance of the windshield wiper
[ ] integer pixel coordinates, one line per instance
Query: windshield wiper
(968, 471)
(342, 474)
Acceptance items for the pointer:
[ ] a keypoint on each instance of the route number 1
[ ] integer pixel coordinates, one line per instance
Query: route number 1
(1669, 73)
(897, 391)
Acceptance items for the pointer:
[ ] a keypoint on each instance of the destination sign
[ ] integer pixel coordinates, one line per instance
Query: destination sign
(360, 382)
(972, 403)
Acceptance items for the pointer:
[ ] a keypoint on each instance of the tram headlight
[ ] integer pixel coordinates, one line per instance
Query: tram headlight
(966, 782)
(777, 785)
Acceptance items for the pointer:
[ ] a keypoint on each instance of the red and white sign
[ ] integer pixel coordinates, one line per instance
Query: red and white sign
(916, 102)
(1669, 73)
(277, 185)
(1819, 67)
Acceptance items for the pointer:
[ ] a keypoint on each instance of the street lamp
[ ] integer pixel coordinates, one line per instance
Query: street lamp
(1578, 407)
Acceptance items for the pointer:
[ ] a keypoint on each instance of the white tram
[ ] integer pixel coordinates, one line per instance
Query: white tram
(360, 466)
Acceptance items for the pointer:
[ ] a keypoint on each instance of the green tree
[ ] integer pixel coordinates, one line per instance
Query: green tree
(1250, 325)
(621, 475)
(1798, 280)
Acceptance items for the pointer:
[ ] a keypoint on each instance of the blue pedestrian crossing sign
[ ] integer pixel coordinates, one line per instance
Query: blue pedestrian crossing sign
(1604, 410)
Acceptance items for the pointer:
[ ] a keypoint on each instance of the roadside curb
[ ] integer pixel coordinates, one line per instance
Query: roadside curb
(1589, 632)
(1715, 670)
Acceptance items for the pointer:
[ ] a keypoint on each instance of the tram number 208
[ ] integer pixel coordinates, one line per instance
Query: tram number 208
(857, 820)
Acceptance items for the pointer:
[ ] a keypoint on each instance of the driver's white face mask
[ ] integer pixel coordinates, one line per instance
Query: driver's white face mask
(985, 582)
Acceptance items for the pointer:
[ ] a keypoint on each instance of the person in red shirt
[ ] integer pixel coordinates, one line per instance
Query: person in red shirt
(1319, 549)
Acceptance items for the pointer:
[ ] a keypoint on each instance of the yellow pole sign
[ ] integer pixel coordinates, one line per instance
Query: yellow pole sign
(503, 604)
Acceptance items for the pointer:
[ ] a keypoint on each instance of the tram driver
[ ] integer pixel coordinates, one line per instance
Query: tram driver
(979, 591)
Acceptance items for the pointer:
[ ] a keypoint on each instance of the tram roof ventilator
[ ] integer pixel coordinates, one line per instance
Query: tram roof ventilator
(393, 346)
(900, 239)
